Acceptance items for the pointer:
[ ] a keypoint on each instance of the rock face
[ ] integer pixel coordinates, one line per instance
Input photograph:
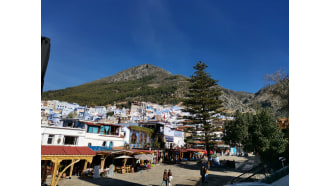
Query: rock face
(135, 73)
(233, 100)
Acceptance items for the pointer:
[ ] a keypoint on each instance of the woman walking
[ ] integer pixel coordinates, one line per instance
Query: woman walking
(170, 178)
(165, 177)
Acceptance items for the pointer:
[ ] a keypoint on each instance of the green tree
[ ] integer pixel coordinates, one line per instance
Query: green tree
(202, 101)
(265, 137)
(72, 114)
(110, 113)
(236, 131)
(259, 133)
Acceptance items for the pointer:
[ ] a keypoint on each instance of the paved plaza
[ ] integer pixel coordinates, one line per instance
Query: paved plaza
(184, 173)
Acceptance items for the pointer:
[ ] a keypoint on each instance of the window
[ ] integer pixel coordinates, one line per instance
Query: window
(68, 124)
(145, 138)
(93, 129)
(141, 138)
(89, 144)
(104, 144)
(50, 139)
(107, 130)
(133, 138)
(70, 140)
(102, 129)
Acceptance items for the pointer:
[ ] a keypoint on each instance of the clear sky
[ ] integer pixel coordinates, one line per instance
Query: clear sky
(239, 40)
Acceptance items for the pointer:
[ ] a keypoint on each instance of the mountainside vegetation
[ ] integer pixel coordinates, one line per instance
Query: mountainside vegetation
(153, 84)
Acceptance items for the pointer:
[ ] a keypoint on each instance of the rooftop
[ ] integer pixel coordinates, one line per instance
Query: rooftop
(65, 150)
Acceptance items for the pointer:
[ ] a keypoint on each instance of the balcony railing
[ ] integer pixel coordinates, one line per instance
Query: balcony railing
(99, 148)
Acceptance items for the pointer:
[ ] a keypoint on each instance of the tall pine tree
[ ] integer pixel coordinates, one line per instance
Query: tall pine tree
(202, 102)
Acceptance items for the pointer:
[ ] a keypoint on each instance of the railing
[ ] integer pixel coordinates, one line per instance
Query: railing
(259, 169)
(99, 148)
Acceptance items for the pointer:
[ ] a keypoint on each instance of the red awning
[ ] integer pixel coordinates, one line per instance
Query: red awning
(65, 150)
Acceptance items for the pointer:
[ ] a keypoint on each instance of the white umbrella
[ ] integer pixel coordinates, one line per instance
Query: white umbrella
(123, 157)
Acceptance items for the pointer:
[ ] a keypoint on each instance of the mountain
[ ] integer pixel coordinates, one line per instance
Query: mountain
(137, 72)
(141, 83)
(154, 84)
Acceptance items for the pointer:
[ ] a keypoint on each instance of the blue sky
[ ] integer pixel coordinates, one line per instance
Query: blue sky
(239, 40)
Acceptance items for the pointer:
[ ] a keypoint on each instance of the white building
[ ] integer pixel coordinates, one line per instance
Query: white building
(82, 133)
(54, 135)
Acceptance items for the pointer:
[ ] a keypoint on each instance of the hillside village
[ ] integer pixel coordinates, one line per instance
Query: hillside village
(66, 123)
(98, 135)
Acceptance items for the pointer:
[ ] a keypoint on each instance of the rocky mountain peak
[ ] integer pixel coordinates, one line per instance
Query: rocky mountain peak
(135, 73)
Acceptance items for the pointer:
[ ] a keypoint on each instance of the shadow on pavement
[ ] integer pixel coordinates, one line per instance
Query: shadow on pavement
(188, 165)
(216, 180)
(194, 166)
(108, 181)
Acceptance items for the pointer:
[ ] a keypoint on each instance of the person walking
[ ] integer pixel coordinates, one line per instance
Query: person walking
(165, 177)
(170, 177)
(203, 173)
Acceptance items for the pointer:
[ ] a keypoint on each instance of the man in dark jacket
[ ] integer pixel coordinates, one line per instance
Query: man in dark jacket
(203, 173)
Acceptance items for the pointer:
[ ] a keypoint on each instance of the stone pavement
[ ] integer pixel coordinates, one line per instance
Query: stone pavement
(185, 173)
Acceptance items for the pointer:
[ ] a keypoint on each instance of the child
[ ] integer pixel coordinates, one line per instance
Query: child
(206, 174)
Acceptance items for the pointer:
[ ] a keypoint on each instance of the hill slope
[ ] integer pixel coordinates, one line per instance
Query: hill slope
(141, 83)
(150, 83)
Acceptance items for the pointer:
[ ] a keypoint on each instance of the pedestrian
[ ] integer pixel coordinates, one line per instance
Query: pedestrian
(206, 174)
(203, 173)
(170, 177)
(165, 177)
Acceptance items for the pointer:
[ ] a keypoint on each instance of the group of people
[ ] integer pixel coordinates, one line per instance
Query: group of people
(167, 177)
(204, 173)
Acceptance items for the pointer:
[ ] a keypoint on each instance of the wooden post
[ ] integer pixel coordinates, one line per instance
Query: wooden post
(71, 169)
(60, 174)
(56, 163)
(125, 160)
(102, 161)
(85, 167)
(44, 172)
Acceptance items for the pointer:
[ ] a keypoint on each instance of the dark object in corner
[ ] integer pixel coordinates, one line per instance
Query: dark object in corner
(45, 51)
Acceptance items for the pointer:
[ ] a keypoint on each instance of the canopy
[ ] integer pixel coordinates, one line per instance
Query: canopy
(143, 156)
(122, 157)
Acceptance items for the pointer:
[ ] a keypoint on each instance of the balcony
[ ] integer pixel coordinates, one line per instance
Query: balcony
(99, 148)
